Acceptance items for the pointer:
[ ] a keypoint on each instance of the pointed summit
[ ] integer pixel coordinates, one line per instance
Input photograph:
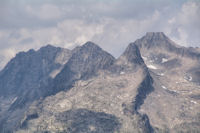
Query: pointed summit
(90, 44)
(28, 71)
(132, 54)
(155, 35)
(158, 41)
(84, 63)
(89, 48)
(129, 61)
(48, 46)
(155, 39)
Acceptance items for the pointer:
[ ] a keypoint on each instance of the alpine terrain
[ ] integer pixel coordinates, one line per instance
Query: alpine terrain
(153, 87)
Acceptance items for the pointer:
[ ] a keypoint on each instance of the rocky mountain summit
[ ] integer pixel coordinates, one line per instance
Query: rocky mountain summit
(176, 95)
(23, 77)
(152, 87)
(158, 40)
(83, 64)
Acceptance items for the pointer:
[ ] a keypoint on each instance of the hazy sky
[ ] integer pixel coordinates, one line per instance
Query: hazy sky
(112, 24)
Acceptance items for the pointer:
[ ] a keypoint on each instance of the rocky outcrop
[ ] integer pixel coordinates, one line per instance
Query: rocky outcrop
(83, 120)
(91, 97)
(175, 72)
(83, 64)
(30, 70)
(23, 77)
(132, 55)
(154, 40)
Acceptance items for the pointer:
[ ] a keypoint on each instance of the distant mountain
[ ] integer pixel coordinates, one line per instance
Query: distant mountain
(22, 78)
(176, 75)
(32, 69)
(99, 93)
(152, 87)
(83, 64)
(154, 40)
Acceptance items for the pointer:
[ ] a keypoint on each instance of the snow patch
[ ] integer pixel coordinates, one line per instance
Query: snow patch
(164, 87)
(190, 78)
(143, 57)
(14, 100)
(152, 67)
(193, 102)
(161, 74)
(164, 60)
(122, 73)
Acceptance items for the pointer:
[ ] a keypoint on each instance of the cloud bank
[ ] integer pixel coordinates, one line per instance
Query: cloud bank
(112, 24)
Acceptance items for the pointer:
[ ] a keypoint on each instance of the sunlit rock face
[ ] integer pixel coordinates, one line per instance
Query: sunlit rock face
(175, 71)
(152, 87)
(103, 101)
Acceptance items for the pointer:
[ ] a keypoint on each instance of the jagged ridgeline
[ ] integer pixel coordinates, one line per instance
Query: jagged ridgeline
(152, 87)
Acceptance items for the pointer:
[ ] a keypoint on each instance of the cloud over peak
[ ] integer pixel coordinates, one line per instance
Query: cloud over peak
(111, 24)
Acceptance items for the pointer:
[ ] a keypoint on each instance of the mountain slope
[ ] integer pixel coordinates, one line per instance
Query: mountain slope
(23, 77)
(152, 87)
(114, 98)
(30, 70)
(176, 82)
(154, 40)
(83, 64)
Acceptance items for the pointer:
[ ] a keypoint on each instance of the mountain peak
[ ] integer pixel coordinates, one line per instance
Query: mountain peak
(155, 36)
(90, 45)
(132, 54)
(83, 64)
(155, 39)
(48, 47)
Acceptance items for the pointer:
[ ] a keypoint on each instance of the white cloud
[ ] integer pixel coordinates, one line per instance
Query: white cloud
(6, 55)
(46, 12)
(186, 24)
(111, 24)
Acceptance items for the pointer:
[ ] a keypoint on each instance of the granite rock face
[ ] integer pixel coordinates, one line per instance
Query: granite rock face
(132, 54)
(32, 69)
(83, 64)
(100, 101)
(175, 71)
(153, 40)
(83, 120)
(23, 77)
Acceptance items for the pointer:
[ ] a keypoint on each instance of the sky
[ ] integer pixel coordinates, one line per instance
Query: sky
(112, 24)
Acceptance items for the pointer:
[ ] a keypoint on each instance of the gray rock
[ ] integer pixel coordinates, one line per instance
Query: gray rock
(23, 77)
(83, 64)
(152, 87)
(86, 121)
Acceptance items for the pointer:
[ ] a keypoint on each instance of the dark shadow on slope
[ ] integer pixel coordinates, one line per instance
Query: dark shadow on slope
(86, 121)
(142, 122)
(82, 65)
(28, 117)
(144, 89)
